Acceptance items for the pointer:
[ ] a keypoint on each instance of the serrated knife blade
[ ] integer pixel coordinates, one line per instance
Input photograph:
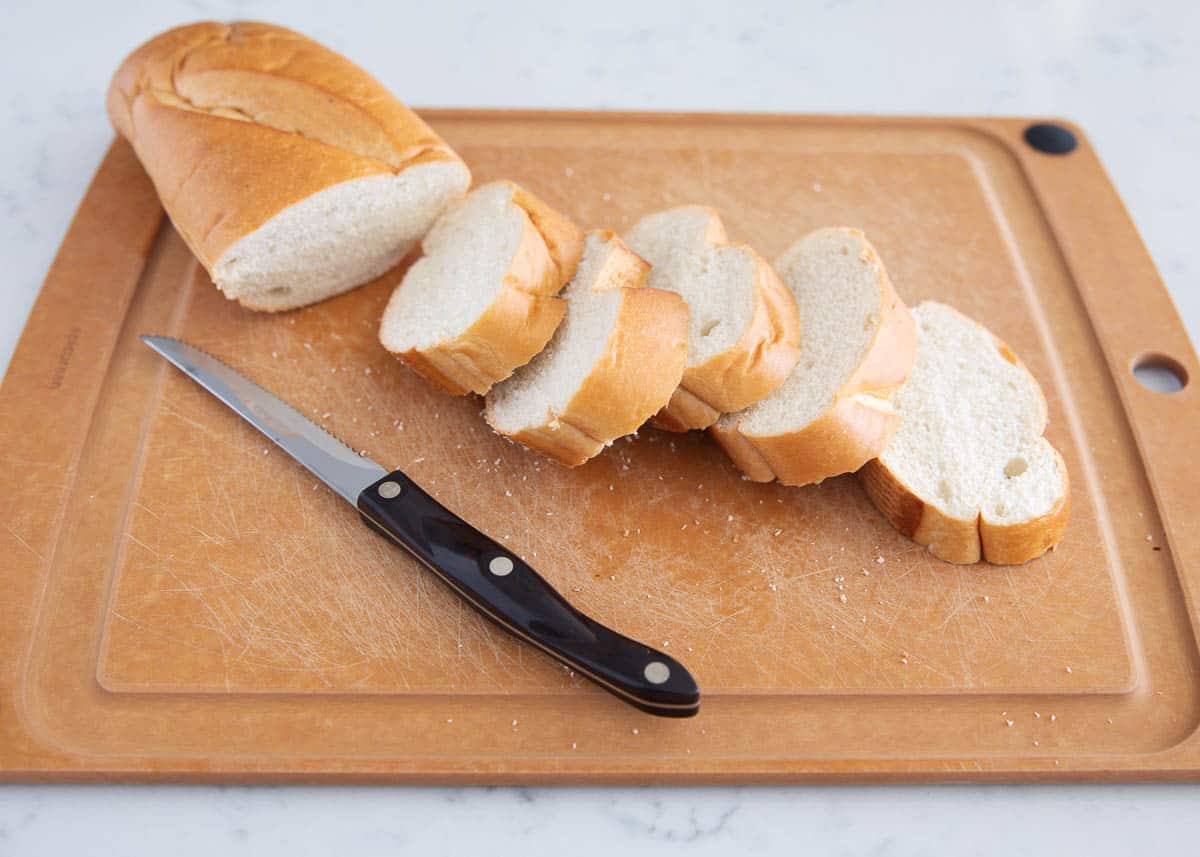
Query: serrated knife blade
(330, 460)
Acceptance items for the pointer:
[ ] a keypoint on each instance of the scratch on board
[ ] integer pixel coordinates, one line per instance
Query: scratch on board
(24, 543)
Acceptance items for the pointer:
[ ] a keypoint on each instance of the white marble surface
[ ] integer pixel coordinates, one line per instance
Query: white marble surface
(1126, 72)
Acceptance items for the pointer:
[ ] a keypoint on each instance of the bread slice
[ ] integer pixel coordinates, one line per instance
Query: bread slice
(482, 300)
(742, 328)
(291, 173)
(857, 345)
(969, 473)
(612, 364)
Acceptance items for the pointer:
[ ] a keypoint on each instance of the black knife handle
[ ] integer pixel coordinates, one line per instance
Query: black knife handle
(502, 587)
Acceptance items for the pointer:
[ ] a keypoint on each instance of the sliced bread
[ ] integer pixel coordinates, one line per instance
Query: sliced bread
(482, 300)
(611, 365)
(291, 173)
(832, 414)
(742, 328)
(969, 473)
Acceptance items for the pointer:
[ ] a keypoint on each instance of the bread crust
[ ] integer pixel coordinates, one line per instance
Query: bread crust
(564, 239)
(841, 440)
(965, 540)
(859, 422)
(1021, 541)
(521, 319)
(236, 122)
(641, 366)
(685, 411)
(760, 360)
(970, 540)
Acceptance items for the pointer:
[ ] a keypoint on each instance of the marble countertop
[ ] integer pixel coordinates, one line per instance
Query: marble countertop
(1118, 69)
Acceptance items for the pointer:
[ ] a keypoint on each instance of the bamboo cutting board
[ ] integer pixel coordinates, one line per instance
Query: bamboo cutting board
(182, 602)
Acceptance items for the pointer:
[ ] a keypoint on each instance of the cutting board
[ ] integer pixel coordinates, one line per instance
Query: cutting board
(184, 602)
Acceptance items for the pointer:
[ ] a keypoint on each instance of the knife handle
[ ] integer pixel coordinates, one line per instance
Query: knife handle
(505, 589)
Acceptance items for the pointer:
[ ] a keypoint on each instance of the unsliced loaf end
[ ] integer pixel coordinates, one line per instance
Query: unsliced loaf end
(482, 301)
(743, 327)
(338, 238)
(968, 473)
(832, 414)
(291, 173)
(613, 362)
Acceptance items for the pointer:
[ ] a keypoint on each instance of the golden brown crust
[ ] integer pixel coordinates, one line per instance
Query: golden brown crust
(858, 424)
(514, 327)
(744, 454)
(522, 318)
(510, 332)
(758, 363)
(895, 502)
(642, 365)
(236, 122)
(893, 351)
(560, 441)
(564, 239)
(841, 440)
(960, 540)
(1012, 544)
(948, 538)
(684, 412)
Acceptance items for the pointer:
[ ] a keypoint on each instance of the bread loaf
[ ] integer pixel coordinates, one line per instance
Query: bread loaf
(612, 364)
(743, 326)
(291, 173)
(482, 301)
(833, 413)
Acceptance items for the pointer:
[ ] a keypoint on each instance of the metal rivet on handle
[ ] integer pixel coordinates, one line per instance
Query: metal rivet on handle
(656, 672)
(389, 489)
(500, 566)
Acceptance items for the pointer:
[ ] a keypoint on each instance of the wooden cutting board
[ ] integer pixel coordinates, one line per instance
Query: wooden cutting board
(183, 602)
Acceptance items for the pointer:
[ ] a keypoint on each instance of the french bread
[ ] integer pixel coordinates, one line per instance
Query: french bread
(291, 173)
(833, 413)
(968, 473)
(482, 300)
(743, 327)
(611, 365)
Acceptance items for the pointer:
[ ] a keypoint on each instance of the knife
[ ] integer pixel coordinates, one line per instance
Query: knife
(492, 579)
